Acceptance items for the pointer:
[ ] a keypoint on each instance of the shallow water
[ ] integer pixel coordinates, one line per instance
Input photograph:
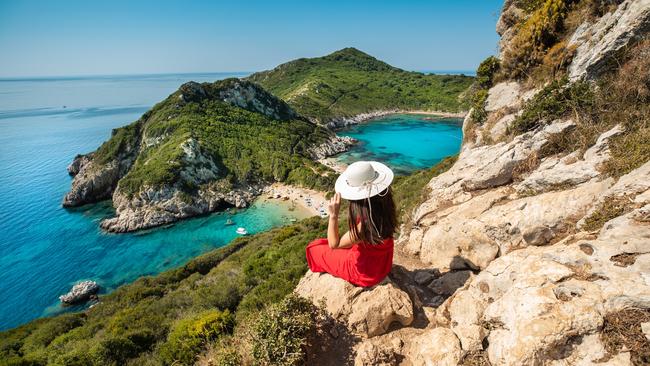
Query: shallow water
(404, 142)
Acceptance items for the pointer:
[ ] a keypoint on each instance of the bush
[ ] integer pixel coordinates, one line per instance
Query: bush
(486, 72)
(280, 333)
(558, 99)
(190, 335)
(539, 32)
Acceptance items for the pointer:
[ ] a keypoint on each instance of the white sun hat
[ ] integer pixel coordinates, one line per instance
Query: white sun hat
(363, 179)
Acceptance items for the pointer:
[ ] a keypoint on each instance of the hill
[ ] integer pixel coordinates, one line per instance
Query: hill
(205, 147)
(349, 82)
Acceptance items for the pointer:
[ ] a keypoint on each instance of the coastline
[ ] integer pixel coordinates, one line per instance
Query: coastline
(306, 202)
(343, 122)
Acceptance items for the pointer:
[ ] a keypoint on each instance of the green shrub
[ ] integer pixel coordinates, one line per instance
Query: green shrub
(558, 99)
(479, 114)
(537, 33)
(190, 335)
(486, 72)
(280, 333)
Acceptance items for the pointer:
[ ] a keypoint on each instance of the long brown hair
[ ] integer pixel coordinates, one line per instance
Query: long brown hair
(380, 210)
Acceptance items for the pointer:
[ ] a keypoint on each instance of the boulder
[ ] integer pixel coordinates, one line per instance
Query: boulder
(367, 312)
(80, 292)
(437, 346)
(597, 44)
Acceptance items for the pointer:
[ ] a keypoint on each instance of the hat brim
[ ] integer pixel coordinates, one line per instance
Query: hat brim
(382, 181)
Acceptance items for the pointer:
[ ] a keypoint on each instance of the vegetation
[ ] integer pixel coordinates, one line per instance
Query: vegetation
(541, 30)
(349, 82)
(610, 208)
(244, 145)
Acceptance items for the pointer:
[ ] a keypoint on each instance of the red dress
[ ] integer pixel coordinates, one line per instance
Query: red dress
(362, 264)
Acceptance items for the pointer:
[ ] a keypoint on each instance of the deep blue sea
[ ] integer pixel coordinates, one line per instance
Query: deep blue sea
(45, 249)
(404, 142)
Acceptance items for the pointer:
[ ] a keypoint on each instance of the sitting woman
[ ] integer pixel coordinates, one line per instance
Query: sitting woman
(364, 255)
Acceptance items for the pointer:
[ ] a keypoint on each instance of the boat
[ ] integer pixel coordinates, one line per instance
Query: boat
(229, 222)
(241, 231)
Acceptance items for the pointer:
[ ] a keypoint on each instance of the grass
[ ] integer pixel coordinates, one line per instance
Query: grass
(349, 82)
(622, 329)
(610, 208)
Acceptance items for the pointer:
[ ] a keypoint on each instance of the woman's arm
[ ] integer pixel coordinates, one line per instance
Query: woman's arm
(333, 239)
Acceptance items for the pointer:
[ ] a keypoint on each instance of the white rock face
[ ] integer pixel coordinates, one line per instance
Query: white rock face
(437, 346)
(367, 312)
(533, 299)
(597, 43)
(505, 94)
(80, 292)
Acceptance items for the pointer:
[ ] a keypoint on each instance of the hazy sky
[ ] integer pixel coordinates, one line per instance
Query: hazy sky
(86, 37)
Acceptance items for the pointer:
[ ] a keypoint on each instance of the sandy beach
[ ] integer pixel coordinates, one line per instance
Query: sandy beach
(333, 164)
(307, 202)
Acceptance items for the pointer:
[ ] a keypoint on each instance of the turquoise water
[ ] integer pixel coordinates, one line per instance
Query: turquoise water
(44, 248)
(405, 142)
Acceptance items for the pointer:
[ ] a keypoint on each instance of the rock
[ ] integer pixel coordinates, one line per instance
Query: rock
(336, 145)
(370, 354)
(531, 300)
(572, 169)
(367, 312)
(252, 97)
(78, 163)
(80, 292)
(597, 44)
(504, 94)
(92, 183)
(437, 346)
(449, 282)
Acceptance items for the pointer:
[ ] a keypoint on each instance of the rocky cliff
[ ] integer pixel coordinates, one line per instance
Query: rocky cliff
(205, 147)
(534, 248)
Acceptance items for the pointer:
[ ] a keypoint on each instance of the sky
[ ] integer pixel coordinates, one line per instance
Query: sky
(82, 37)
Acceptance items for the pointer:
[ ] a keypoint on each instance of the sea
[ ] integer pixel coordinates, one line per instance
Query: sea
(45, 249)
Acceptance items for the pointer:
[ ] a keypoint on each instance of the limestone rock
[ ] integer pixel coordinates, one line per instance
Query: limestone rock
(368, 312)
(598, 43)
(336, 145)
(78, 163)
(571, 169)
(531, 300)
(504, 94)
(80, 292)
(437, 346)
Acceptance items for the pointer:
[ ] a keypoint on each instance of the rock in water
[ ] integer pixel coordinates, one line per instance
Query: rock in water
(80, 292)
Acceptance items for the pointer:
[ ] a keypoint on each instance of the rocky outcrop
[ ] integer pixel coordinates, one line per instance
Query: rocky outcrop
(367, 312)
(598, 43)
(80, 292)
(333, 146)
(78, 163)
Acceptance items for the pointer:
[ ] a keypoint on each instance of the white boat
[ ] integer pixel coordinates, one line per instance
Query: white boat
(241, 231)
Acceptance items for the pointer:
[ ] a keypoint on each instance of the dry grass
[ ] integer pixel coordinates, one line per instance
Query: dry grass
(475, 358)
(623, 330)
(610, 208)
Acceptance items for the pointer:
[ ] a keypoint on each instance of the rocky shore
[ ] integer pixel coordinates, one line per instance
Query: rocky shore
(80, 292)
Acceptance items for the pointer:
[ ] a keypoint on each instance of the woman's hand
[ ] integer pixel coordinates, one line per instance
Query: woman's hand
(334, 205)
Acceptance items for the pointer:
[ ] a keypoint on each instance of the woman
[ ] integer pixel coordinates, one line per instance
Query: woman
(364, 255)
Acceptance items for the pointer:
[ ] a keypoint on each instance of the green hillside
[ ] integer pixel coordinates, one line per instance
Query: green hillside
(349, 82)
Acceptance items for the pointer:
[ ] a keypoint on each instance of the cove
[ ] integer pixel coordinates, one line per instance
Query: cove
(405, 142)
